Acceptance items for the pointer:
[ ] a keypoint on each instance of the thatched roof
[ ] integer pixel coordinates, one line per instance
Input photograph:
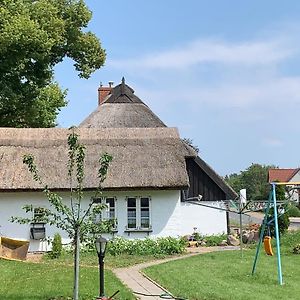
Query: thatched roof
(122, 109)
(143, 158)
(122, 115)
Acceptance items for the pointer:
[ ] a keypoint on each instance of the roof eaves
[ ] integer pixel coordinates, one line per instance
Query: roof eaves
(228, 190)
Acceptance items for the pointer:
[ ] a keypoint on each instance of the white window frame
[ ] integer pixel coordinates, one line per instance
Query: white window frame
(105, 214)
(138, 217)
(35, 213)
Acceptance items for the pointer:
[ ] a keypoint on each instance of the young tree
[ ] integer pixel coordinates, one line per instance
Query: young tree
(78, 222)
(34, 37)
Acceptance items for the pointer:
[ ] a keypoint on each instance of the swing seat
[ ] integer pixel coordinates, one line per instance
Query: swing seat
(268, 246)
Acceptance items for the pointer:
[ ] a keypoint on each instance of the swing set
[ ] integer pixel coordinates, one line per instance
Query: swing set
(266, 239)
(243, 207)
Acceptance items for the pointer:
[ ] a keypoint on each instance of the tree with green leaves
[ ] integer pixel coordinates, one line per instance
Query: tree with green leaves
(77, 221)
(283, 217)
(34, 37)
(254, 179)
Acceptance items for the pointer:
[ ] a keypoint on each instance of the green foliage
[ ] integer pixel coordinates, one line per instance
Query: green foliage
(56, 247)
(254, 179)
(34, 37)
(293, 210)
(283, 222)
(159, 246)
(196, 236)
(214, 240)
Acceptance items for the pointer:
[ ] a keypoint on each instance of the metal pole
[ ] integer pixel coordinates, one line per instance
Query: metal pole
(262, 230)
(241, 232)
(227, 222)
(101, 275)
(277, 235)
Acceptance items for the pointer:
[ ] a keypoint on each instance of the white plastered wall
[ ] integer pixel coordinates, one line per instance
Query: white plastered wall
(295, 193)
(207, 221)
(169, 216)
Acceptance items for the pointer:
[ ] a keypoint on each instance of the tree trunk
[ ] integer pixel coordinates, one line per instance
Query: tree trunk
(76, 263)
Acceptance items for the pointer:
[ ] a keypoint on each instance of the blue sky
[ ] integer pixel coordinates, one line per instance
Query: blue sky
(225, 73)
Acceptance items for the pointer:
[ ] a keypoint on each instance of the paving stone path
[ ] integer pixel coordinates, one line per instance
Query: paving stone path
(138, 282)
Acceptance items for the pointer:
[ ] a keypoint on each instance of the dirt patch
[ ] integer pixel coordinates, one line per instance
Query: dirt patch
(34, 257)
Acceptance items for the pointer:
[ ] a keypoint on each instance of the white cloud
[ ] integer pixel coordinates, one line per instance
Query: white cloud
(272, 142)
(270, 91)
(241, 81)
(249, 53)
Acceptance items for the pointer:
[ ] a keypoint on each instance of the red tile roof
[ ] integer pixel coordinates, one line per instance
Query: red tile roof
(282, 175)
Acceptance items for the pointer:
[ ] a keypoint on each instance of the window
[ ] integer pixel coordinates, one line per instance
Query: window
(39, 215)
(108, 213)
(131, 213)
(111, 208)
(37, 229)
(138, 213)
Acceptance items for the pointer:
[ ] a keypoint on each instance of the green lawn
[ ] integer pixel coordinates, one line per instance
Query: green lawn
(53, 278)
(225, 275)
(91, 259)
(29, 281)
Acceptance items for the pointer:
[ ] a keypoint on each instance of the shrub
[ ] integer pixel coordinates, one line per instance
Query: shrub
(56, 246)
(197, 236)
(283, 222)
(293, 210)
(159, 246)
(214, 240)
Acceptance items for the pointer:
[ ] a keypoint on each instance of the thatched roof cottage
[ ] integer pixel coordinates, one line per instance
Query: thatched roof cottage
(152, 174)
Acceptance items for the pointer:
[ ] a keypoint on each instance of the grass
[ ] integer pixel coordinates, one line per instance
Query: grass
(225, 275)
(53, 278)
(88, 259)
(44, 281)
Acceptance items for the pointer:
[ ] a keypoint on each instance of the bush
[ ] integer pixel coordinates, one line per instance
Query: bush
(283, 222)
(214, 240)
(56, 246)
(159, 246)
(293, 211)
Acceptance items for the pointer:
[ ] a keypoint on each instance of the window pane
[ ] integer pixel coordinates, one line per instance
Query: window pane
(98, 218)
(145, 212)
(97, 200)
(145, 223)
(131, 223)
(111, 214)
(144, 202)
(131, 202)
(131, 213)
(110, 201)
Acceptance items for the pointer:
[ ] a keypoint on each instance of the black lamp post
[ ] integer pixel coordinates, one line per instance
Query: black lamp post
(101, 247)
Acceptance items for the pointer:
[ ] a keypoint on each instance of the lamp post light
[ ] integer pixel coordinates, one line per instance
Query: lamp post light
(101, 247)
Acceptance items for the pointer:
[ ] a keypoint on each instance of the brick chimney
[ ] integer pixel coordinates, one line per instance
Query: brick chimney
(104, 91)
